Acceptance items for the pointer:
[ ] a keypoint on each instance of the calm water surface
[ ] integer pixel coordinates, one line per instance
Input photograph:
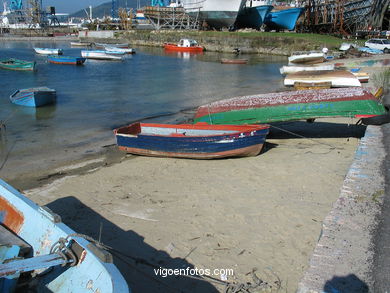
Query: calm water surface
(101, 95)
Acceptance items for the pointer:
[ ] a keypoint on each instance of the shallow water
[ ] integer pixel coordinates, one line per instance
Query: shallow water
(95, 98)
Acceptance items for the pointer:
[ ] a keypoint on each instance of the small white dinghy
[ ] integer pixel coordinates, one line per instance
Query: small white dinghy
(48, 51)
(306, 58)
(297, 68)
(98, 54)
(338, 78)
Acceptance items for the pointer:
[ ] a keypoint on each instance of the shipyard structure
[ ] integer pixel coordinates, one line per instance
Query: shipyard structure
(346, 17)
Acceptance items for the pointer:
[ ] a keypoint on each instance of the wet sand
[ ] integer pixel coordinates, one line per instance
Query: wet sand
(261, 214)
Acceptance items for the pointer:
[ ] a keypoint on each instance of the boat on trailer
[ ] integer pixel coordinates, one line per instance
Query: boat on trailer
(45, 255)
(193, 141)
(16, 64)
(354, 102)
(34, 97)
(68, 60)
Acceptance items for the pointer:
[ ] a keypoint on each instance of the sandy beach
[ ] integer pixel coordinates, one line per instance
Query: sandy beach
(258, 214)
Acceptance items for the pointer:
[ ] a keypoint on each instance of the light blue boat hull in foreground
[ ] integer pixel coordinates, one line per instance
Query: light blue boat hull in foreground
(283, 19)
(34, 97)
(253, 17)
(28, 224)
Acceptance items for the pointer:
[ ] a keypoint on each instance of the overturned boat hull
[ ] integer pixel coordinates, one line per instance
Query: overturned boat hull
(292, 105)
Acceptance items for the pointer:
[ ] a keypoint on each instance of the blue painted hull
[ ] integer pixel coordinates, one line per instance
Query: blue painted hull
(34, 97)
(35, 232)
(218, 145)
(283, 19)
(66, 60)
(253, 17)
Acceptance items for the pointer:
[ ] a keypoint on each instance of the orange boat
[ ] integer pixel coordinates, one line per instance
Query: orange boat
(185, 45)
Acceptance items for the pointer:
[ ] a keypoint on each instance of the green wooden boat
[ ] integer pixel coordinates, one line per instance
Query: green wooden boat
(292, 105)
(16, 64)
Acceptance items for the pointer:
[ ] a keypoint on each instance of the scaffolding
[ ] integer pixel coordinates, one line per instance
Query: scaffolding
(170, 18)
(344, 16)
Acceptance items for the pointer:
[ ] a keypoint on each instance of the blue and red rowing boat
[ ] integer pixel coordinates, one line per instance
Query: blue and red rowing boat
(194, 141)
(66, 60)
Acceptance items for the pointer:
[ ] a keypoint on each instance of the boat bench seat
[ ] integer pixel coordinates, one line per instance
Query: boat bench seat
(8, 239)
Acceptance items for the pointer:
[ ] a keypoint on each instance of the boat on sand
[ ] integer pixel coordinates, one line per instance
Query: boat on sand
(193, 141)
(354, 102)
(338, 78)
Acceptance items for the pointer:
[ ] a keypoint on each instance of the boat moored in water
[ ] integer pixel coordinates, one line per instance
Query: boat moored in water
(48, 51)
(45, 255)
(66, 60)
(193, 141)
(34, 97)
(292, 105)
(118, 49)
(100, 55)
(234, 61)
(184, 45)
(16, 64)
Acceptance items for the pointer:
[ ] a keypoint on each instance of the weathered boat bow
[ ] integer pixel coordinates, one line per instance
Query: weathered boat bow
(33, 239)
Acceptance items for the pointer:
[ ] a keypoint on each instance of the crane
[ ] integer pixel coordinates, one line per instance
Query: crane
(16, 4)
(114, 9)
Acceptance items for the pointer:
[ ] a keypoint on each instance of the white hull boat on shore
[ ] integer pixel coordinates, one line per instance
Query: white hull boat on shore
(217, 14)
(337, 78)
(306, 58)
(101, 55)
(296, 68)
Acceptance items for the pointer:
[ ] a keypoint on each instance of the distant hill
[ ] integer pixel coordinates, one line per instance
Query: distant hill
(105, 8)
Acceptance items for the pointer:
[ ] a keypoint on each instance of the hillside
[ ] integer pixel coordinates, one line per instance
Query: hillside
(105, 8)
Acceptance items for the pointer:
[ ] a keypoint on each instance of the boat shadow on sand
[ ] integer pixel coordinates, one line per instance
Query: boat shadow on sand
(136, 259)
(303, 129)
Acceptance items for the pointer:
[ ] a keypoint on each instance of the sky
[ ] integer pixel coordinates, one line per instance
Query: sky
(70, 6)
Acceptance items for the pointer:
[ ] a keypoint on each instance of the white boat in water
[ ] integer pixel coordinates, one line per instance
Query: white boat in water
(217, 14)
(48, 51)
(297, 68)
(337, 78)
(306, 57)
(122, 50)
(102, 55)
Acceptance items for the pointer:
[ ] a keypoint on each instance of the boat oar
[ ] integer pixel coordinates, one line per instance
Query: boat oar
(31, 264)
